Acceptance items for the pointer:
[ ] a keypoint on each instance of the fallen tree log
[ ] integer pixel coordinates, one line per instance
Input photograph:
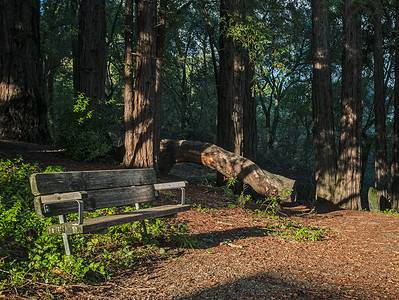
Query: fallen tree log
(227, 163)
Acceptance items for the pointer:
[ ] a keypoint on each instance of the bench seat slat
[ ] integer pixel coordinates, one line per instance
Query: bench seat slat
(170, 185)
(50, 183)
(94, 225)
(96, 199)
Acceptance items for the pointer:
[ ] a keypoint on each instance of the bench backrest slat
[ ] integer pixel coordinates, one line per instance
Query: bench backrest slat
(50, 183)
(101, 189)
(97, 199)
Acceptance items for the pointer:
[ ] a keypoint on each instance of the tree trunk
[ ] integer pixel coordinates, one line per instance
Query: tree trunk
(348, 192)
(323, 118)
(249, 118)
(22, 106)
(225, 162)
(140, 144)
(90, 54)
(234, 86)
(128, 72)
(161, 32)
(381, 165)
(395, 155)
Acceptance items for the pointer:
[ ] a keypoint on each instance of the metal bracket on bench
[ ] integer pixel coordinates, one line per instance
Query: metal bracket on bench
(80, 209)
(183, 196)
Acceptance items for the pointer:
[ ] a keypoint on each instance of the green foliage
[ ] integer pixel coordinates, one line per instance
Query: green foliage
(391, 212)
(85, 131)
(28, 254)
(269, 206)
(243, 199)
(295, 231)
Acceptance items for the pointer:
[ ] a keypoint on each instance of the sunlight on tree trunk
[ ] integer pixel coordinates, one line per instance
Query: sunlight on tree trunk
(348, 192)
(140, 144)
(323, 118)
(23, 113)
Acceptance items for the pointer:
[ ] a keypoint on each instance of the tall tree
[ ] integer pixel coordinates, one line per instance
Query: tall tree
(22, 106)
(381, 165)
(141, 147)
(128, 71)
(90, 60)
(395, 156)
(348, 192)
(323, 118)
(160, 37)
(235, 104)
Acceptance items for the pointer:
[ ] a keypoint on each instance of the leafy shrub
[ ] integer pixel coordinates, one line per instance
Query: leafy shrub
(86, 132)
(29, 254)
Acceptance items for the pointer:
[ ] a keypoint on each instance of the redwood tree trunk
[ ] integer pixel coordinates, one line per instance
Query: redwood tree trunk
(234, 80)
(140, 141)
(236, 118)
(22, 105)
(323, 119)
(90, 52)
(128, 71)
(381, 165)
(395, 156)
(348, 192)
(161, 31)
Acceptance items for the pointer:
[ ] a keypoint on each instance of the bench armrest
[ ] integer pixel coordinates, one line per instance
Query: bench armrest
(77, 197)
(173, 186)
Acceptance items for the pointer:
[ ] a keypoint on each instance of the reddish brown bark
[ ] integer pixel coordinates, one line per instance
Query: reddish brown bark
(22, 107)
(348, 192)
(140, 144)
(323, 119)
(227, 163)
(128, 72)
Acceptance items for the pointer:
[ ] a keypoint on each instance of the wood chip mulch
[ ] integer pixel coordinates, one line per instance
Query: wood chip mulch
(359, 259)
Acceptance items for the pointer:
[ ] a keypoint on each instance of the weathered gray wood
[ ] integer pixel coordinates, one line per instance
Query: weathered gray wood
(63, 197)
(46, 206)
(50, 183)
(170, 185)
(94, 225)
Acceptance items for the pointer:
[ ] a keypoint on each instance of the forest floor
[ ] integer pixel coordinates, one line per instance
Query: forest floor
(238, 255)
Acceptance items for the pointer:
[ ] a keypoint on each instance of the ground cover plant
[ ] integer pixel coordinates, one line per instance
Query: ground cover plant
(28, 254)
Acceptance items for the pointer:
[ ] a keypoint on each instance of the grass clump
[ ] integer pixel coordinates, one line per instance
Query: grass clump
(391, 212)
(296, 231)
(28, 254)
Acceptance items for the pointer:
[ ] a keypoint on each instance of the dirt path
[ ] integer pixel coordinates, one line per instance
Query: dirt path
(359, 259)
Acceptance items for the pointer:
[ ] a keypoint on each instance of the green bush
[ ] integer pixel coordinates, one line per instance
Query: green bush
(85, 131)
(29, 254)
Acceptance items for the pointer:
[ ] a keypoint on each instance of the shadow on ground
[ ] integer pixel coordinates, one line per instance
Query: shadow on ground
(215, 238)
(273, 286)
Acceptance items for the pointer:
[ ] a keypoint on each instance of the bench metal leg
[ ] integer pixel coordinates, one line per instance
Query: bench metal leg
(65, 237)
(144, 227)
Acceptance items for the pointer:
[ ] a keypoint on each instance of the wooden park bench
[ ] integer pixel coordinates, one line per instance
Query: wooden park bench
(59, 194)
